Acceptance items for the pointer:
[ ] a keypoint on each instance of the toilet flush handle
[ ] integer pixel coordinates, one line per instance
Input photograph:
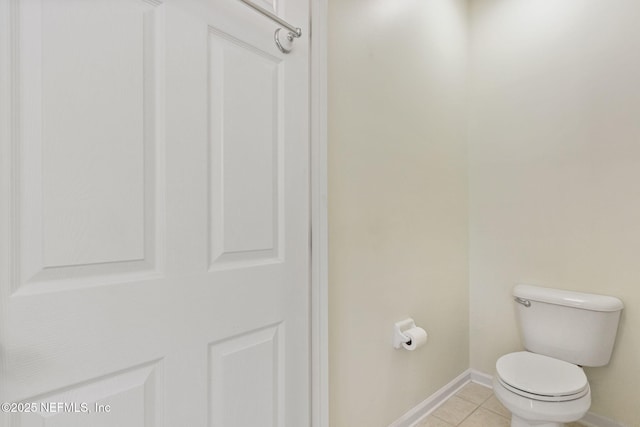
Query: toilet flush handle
(523, 301)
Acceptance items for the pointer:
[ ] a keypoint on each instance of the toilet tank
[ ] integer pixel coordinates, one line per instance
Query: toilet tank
(576, 327)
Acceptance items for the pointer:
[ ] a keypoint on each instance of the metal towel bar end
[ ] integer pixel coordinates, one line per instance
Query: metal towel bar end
(294, 32)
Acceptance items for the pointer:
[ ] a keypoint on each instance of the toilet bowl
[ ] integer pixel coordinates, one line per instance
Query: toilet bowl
(541, 391)
(562, 331)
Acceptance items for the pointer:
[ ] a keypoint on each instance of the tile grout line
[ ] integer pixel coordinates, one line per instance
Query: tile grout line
(446, 422)
(478, 406)
(465, 418)
(470, 413)
(491, 410)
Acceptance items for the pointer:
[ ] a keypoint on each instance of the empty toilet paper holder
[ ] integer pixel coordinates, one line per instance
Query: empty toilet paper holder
(399, 337)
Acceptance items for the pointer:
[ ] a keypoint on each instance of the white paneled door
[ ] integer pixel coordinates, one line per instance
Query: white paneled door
(154, 215)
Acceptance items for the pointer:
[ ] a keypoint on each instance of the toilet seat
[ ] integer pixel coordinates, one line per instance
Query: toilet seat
(540, 377)
(533, 412)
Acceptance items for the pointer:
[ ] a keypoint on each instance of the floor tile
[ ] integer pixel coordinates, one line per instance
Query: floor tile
(494, 405)
(475, 393)
(432, 421)
(473, 406)
(485, 418)
(454, 410)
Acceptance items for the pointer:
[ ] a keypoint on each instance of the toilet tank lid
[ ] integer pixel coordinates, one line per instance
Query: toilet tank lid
(580, 300)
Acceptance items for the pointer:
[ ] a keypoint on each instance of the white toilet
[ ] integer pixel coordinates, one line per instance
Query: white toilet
(562, 331)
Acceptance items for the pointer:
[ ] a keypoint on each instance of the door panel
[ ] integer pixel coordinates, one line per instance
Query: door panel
(248, 367)
(245, 161)
(155, 207)
(125, 398)
(85, 208)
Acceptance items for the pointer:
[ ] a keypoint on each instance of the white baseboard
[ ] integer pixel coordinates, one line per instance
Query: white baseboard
(481, 378)
(595, 420)
(430, 404)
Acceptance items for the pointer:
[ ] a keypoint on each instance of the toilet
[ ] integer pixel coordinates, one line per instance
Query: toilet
(562, 331)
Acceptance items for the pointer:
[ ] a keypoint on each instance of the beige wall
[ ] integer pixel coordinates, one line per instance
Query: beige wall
(555, 171)
(398, 203)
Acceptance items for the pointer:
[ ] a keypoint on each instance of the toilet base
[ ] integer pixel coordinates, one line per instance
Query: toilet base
(516, 421)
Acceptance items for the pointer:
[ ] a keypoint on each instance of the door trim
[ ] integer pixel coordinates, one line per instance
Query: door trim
(319, 223)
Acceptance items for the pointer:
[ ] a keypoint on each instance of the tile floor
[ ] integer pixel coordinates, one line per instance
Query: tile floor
(472, 406)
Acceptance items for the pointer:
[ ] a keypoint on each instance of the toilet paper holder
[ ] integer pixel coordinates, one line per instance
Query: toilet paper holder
(399, 337)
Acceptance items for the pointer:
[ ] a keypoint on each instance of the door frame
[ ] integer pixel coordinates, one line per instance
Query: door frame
(319, 223)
